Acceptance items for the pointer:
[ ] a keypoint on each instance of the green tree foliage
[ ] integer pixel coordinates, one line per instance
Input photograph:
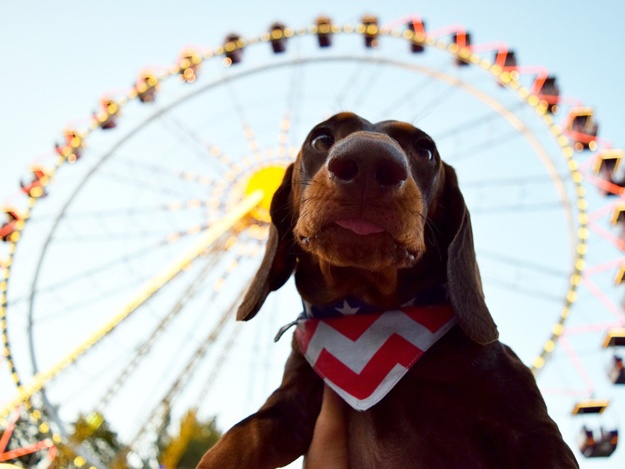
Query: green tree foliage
(93, 431)
(183, 451)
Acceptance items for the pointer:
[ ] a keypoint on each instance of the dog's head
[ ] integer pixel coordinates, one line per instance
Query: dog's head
(370, 211)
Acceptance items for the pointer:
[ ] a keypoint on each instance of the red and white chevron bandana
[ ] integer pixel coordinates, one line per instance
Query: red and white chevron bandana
(363, 356)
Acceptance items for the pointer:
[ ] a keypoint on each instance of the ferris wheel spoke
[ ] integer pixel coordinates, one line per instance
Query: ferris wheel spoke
(579, 366)
(297, 105)
(129, 258)
(522, 194)
(291, 111)
(162, 407)
(522, 263)
(98, 269)
(470, 152)
(517, 208)
(90, 376)
(248, 132)
(136, 167)
(348, 86)
(435, 101)
(404, 99)
(164, 235)
(615, 310)
(522, 289)
(204, 152)
(42, 378)
(525, 183)
(219, 362)
(471, 124)
(118, 177)
(365, 89)
(129, 213)
(67, 308)
(145, 346)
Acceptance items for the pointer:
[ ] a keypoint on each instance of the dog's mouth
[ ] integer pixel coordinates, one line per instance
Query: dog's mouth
(359, 243)
(360, 227)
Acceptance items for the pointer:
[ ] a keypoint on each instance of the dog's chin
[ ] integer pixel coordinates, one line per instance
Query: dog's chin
(345, 248)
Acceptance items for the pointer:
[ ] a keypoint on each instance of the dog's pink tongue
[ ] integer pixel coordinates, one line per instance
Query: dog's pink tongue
(359, 227)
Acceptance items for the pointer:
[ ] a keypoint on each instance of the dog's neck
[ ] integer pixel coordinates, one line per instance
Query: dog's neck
(321, 283)
(349, 305)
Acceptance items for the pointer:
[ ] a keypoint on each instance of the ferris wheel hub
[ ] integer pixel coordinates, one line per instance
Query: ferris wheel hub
(267, 180)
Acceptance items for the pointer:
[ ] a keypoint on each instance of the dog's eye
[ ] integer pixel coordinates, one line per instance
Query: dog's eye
(322, 141)
(425, 149)
(425, 153)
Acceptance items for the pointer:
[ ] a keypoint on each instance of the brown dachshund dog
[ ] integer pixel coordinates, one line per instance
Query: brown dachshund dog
(369, 211)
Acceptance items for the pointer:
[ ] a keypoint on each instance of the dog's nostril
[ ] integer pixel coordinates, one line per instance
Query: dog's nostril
(345, 169)
(390, 173)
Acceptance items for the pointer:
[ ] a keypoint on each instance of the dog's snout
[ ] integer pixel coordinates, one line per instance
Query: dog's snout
(343, 167)
(366, 158)
(391, 171)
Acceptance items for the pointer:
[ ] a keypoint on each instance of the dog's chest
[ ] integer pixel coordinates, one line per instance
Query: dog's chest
(421, 424)
(366, 451)
(431, 445)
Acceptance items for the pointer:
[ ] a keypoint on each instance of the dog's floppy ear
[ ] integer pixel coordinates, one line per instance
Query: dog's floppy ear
(463, 276)
(279, 260)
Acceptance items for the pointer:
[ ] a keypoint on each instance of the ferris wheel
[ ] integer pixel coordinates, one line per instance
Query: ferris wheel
(125, 250)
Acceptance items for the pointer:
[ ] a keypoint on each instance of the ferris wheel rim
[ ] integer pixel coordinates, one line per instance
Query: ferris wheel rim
(503, 111)
(575, 270)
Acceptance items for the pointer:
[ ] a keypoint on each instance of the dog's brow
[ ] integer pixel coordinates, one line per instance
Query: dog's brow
(404, 127)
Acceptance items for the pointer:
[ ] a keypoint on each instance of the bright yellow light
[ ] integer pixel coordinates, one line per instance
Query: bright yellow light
(539, 362)
(219, 284)
(267, 179)
(194, 229)
(36, 192)
(571, 296)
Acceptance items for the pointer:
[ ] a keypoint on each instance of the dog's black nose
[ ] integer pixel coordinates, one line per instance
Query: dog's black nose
(365, 157)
